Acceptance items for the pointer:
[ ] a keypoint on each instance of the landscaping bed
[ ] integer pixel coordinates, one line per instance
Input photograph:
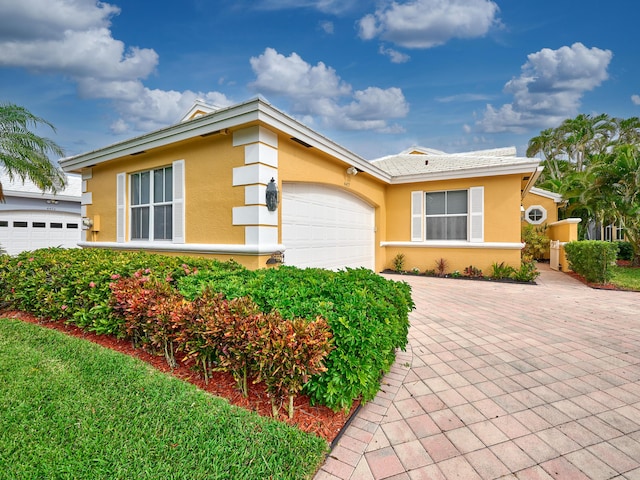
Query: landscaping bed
(318, 419)
(306, 346)
(73, 409)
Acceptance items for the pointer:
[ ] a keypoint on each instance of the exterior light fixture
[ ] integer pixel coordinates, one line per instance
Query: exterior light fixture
(272, 196)
(352, 171)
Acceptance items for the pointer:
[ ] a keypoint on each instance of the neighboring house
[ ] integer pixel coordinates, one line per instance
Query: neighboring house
(200, 187)
(31, 219)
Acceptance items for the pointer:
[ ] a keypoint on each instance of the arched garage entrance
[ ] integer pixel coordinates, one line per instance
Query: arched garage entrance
(326, 227)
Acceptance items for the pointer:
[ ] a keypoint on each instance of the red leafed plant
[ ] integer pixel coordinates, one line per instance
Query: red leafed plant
(225, 335)
(147, 306)
(289, 352)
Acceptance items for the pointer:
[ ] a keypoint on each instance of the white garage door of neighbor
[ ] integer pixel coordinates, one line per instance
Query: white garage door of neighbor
(326, 227)
(20, 230)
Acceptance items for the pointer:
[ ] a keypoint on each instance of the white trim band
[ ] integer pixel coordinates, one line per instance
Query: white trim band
(451, 244)
(226, 249)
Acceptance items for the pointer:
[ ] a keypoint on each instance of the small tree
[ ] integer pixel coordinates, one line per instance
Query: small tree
(536, 242)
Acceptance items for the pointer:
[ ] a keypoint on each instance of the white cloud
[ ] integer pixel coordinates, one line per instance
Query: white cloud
(334, 7)
(41, 19)
(429, 23)
(463, 97)
(327, 27)
(549, 89)
(635, 99)
(317, 92)
(394, 55)
(73, 38)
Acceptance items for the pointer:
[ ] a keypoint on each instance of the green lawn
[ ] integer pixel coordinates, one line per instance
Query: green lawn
(627, 278)
(72, 409)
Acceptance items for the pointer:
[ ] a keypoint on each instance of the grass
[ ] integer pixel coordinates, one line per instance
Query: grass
(625, 277)
(73, 409)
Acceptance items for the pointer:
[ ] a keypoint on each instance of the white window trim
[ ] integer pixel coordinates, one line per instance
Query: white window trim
(536, 207)
(475, 218)
(123, 208)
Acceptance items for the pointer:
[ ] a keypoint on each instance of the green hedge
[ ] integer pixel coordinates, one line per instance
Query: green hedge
(592, 259)
(367, 314)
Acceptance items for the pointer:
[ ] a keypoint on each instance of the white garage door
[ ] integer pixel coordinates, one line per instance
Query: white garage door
(24, 230)
(326, 227)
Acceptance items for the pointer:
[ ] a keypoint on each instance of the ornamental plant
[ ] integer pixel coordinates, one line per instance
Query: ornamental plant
(289, 352)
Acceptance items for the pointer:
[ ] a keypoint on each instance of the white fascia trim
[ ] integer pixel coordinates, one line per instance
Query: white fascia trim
(43, 196)
(226, 249)
(556, 197)
(566, 221)
(525, 167)
(236, 115)
(452, 244)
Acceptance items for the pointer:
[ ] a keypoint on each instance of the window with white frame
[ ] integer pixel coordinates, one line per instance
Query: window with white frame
(152, 204)
(613, 233)
(446, 215)
(535, 214)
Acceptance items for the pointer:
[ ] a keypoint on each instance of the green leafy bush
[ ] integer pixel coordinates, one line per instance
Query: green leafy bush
(398, 262)
(501, 270)
(625, 251)
(592, 259)
(527, 271)
(367, 314)
(535, 240)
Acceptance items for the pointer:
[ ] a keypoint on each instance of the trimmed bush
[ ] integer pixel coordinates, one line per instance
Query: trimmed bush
(367, 314)
(625, 251)
(592, 259)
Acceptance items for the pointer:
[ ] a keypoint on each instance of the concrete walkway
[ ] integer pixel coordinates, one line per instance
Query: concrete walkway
(505, 381)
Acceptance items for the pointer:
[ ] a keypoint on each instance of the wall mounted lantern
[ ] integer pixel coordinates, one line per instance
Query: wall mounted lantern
(272, 196)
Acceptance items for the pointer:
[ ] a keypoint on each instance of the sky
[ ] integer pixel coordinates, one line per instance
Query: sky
(377, 77)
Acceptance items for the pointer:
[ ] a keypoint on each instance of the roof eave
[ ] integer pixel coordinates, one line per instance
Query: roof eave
(230, 117)
(520, 168)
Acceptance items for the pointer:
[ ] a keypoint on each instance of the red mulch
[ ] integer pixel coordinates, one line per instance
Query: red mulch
(601, 286)
(319, 420)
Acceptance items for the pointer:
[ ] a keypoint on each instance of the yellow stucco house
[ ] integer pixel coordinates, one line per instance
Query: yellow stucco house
(200, 187)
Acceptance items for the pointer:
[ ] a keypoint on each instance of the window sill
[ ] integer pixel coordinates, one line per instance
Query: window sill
(455, 244)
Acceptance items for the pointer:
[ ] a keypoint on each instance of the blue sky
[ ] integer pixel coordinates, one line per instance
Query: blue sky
(374, 76)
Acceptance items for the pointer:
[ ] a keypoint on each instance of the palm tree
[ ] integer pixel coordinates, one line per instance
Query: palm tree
(614, 190)
(628, 130)
(584, 136)
(23, 154)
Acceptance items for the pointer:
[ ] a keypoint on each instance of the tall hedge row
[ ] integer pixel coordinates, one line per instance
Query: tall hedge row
(592, 259)
(367, 314)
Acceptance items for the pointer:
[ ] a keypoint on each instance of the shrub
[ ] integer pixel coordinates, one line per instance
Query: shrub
(287, 353)
(367, 314)
(535, 240)
(501, 270)
(592, 259)
(625, 250)
(527, 271)
(441, 267)
(472, 272)
(398, 262)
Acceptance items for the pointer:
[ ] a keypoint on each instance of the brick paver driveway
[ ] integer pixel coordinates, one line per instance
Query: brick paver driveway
(505, 381)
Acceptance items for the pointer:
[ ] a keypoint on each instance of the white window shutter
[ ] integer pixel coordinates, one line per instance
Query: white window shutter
(178, 202)
(476, 214)
(417, 216)
(121, 207)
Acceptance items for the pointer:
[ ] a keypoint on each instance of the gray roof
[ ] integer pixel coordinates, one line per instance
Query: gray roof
(18, 188)
(439, 164)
